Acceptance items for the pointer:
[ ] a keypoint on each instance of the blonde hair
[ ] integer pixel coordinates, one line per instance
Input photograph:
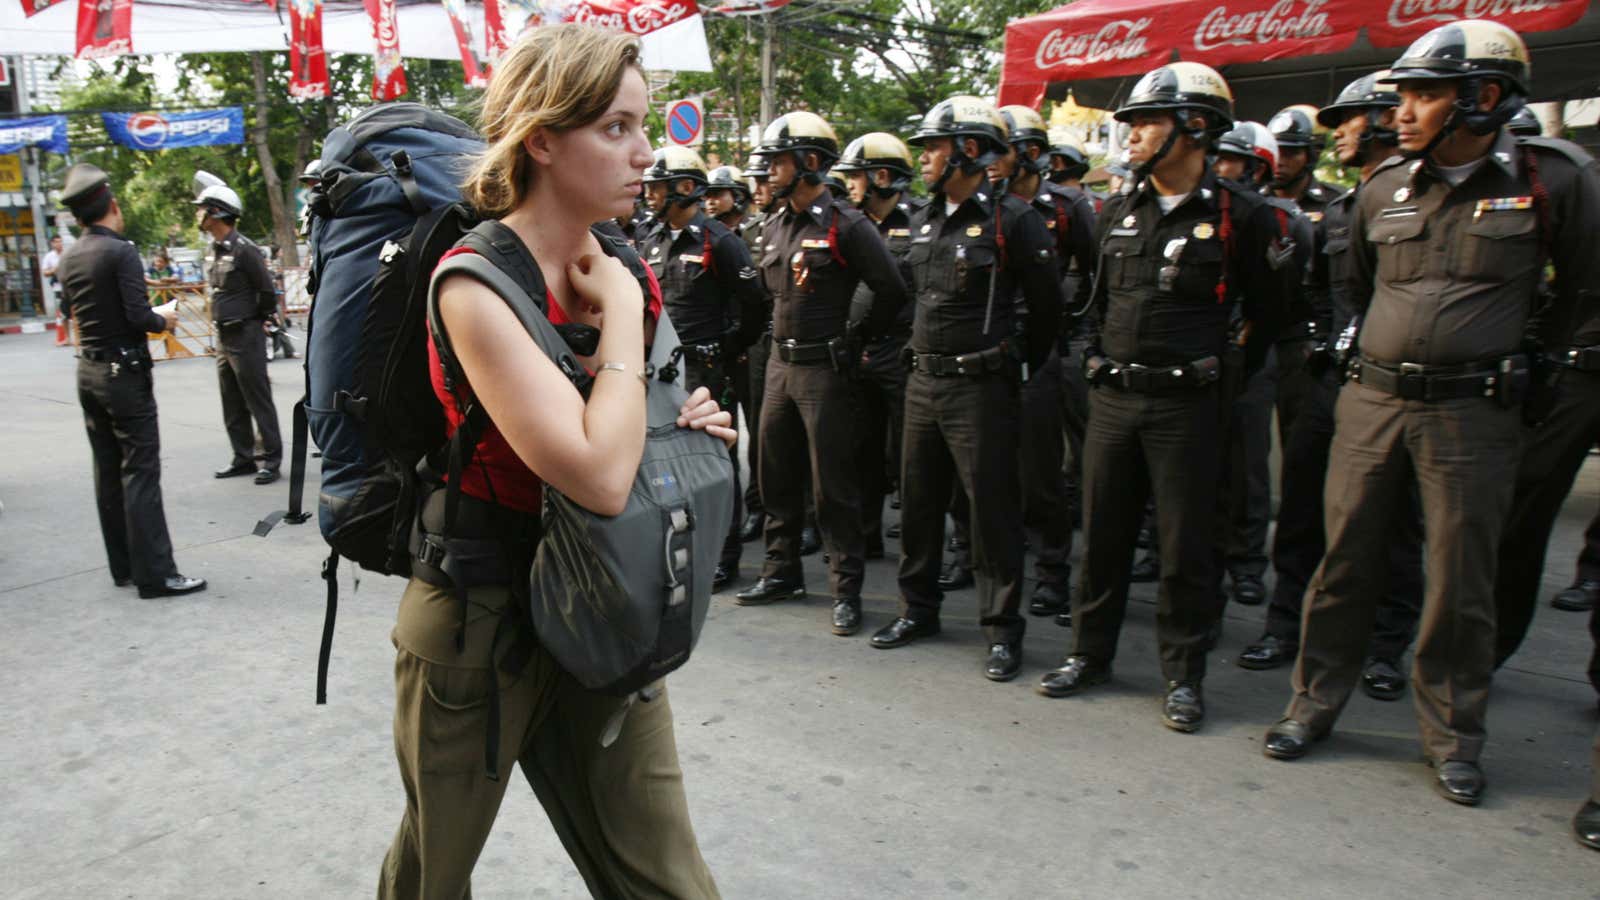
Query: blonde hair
(558, 77)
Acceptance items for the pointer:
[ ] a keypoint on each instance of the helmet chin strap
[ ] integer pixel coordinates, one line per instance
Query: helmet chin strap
(1289, 184)
(1463, 105)
(801, 171)
(1143, 170)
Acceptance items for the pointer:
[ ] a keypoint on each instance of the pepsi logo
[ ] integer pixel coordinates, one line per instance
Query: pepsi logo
(149, 131)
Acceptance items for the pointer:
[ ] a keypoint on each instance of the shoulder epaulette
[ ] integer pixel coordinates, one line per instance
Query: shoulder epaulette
(1571, 151)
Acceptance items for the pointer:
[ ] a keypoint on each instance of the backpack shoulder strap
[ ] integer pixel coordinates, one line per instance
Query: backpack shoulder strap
(528, 311)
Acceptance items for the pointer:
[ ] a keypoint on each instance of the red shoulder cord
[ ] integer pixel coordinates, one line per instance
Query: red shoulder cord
(833, 240)
(707, 260)
(1062, 223)
(999, 232)
(1541, 205)
(1226, 229)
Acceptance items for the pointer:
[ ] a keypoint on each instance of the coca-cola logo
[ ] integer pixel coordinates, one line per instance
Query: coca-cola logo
(1116, 40)
(640, 19)
(1405, 13)
(1279, 22)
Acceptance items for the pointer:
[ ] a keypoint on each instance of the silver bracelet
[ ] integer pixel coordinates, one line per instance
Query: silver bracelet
(620, 367)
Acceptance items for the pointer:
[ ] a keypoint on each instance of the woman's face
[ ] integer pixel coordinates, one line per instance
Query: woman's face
(599, 167)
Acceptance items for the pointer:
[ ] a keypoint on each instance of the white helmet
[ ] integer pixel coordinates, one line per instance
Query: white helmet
(215, 196)
(1252, 140)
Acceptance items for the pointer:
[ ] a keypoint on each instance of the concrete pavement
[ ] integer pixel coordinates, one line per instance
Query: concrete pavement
(170, 748)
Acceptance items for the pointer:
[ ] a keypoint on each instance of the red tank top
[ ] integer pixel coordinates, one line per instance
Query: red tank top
(494, 463)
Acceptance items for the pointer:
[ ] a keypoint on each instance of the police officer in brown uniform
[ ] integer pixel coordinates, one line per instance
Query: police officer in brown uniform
(817, 249)
(1190, 268)
(1449, 247)
(103, 291)
(709, 287)
(877, 169)
(242, 299)
(1069, 216)
(1363, 121)
(988, 304)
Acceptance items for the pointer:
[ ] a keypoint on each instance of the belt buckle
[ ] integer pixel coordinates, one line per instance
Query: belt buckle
(1411, 381)
(961, 364)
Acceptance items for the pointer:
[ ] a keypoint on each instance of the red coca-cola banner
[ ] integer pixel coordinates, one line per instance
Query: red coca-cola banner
(1396, 23)
(1089, 39)
(474, 72)
(635, 16)
(388, 71)
(105, 28)
(1232, 31)
(29, 7)
(308, 62)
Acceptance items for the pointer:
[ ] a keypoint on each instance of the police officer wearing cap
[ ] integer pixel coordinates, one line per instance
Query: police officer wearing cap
(1362, 119)
(816, 250)
(1069, 216)
(988, 295)
(242, 299)
(877, 170)
(103, 291)
(1191, 275)
(756, 355)
(1448, 249)
(1249, 154)
(709, 287)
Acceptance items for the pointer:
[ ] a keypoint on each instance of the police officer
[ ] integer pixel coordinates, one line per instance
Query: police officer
(709, 287)
(1448, 251)
(1069, 216)
(756, 355)
(1190, 278)
(877, 169)
(1068, 165)
(242, 299)
(816, 250)
(727, 197)
(1362, 119)
(988, 306)
(103, 291)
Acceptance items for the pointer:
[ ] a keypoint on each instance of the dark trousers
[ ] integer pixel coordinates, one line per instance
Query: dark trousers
(749, 388)
(712, 378)
(806, 428)
(1298, 544)
(1074, 422)
(1041, 451)
(1138, 444)
(1249, 475)
(247, 394)
(962, 429)
(1295, 385)
(880, 386)
(1552, 456)
(119, 414)
(1463, 456)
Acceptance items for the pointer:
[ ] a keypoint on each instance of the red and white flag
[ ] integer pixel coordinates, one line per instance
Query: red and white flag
(388, 70)
(29, 7)
(473, 70)
(105, 28)
(308, 62)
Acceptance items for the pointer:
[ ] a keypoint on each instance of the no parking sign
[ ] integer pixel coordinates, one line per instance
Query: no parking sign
(686, 122)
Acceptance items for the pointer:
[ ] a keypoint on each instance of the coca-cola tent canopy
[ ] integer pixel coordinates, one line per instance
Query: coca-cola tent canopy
(1275, 52)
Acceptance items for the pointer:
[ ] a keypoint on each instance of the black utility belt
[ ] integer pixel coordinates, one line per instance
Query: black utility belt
(235, 323)
(1504, 379)
(809, 353)
(702, 354)
(1142, 379)
(115, 354)
(993, 361)
(1584, 359)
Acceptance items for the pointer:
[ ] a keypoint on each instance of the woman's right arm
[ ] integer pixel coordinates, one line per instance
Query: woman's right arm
(588, 451)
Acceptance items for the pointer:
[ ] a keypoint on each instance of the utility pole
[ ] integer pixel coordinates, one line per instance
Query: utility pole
(769, 31)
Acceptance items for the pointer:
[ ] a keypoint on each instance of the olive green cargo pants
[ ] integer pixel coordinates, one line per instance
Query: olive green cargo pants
(619, 810)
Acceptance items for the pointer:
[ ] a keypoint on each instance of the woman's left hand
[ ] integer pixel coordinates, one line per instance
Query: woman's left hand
(703, 414)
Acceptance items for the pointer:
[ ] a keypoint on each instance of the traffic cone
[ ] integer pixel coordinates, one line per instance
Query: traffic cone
(61, 329)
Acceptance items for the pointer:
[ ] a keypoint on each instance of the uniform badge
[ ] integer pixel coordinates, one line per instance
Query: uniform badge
(1204, 231)
(926, 229)
(1314, 216)
(656, 250)
(1128, 220)
(899, 232)
(814, 243)
(1402, 195)
(974, 231)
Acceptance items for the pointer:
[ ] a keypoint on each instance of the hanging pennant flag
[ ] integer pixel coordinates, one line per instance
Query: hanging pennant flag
(495, 39)
(470, 67)
(388, 72)
(29, 7)
(308, 63)
(105, 28)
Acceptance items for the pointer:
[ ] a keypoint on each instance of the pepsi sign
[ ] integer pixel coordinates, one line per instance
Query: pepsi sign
(163, 130)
